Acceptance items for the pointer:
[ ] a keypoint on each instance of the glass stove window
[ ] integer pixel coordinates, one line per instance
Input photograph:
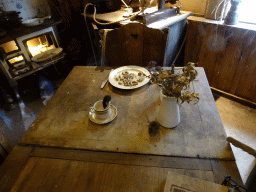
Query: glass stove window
(9, 46)
(16, 59)
(39, 45)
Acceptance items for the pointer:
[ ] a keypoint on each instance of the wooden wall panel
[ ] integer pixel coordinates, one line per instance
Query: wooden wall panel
(247, 85)
(248, 47)
(228, 55)
(134, 44)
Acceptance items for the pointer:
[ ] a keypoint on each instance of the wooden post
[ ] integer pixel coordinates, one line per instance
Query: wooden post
(160, 4)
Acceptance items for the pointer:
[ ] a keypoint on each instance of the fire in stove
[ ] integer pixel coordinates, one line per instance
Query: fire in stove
(39, 45)
(16, 55)
(16, 59)
(9, 47)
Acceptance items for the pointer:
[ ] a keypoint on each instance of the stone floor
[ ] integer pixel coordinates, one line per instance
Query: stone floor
(239, 121)
(35, 91)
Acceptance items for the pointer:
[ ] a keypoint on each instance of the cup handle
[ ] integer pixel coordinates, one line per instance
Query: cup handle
(92, 109)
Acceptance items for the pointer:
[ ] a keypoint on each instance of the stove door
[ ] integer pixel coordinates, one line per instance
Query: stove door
(38, 42)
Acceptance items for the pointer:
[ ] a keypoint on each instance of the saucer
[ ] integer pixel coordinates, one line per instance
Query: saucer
(94, 119)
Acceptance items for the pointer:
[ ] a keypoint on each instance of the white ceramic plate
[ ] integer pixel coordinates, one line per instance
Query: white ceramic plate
(32, 22)
(47, 55)
(130, 69)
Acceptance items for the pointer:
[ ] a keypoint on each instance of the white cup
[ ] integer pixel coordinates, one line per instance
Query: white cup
(99, 110)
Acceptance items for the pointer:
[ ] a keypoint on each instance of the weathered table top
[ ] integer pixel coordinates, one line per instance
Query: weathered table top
(64, 122)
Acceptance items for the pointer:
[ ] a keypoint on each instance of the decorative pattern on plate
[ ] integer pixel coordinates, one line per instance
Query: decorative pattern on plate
(129, 77)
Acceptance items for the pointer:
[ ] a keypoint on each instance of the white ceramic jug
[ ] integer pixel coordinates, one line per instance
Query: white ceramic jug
(169, 112)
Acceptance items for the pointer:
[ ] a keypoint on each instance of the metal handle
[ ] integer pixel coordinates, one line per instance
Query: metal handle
(105, 81)
(92, 109)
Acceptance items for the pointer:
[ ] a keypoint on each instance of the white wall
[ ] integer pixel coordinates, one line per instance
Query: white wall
(28, 8)
(195, 6)
(211, 9)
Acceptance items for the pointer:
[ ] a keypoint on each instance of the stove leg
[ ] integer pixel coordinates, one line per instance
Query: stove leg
(7, 98)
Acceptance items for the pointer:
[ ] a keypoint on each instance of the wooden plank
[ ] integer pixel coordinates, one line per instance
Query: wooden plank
(12, 166)
(234, 98)
(134, 44)
(194, 42)
(226, 52)
(204, 175)
(125, 159)
(211, 120)
(221, 169)
(64, 122)
(209, 48)
(233, 57)
(43, 174)
(229, 55)
(248, 41)
(247, 84)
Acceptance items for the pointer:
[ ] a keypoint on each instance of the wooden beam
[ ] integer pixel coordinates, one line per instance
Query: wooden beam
(12, 166)
(234, 98)
(124, 158)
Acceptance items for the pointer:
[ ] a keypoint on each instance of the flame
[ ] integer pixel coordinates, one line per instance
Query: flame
(16, 59)
(35, 50)
(39, 49)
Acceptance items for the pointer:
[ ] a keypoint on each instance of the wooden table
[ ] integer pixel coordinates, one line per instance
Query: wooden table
(64, 151)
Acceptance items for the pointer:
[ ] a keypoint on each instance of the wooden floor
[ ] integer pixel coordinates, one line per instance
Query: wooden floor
(239, 122)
